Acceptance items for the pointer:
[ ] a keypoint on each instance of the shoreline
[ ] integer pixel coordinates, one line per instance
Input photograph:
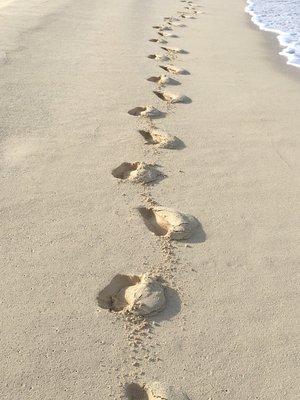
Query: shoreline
(270, 43)
(281, 43)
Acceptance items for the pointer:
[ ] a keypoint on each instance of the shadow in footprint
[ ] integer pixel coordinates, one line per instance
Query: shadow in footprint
(173, 306)
(199, 235)
(134, 391)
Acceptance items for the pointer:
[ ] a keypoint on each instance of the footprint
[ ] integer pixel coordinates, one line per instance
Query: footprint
(177, 24)
(188, 16)
(168, 223)
(140, 295)
(137, 172)
(173, 98)
(163, 80)
(162, 41)
(174, 70)
(168, 35)
(173, 50)
(134, 391)
(168, 19)
(147, 111)
(3, 57)
(159, 57)
(162, 27)
(161, 139)
(154, 391)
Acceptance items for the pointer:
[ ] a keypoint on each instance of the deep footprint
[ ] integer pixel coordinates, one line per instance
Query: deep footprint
(161, 139)
(159, 57)
(168, 223)
(177, 24)
(139, 295)
(174, 50)
(168, 35)
(137, 172)
(162, 28)
(161, 41)
(136, 392)
(147, 111)
(163, 80)
(153, 391)
(172, 98)
(174, 70)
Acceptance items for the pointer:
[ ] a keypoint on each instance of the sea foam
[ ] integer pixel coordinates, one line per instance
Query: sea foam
(283, 18)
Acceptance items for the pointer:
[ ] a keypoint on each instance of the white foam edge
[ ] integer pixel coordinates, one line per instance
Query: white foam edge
(289, 46)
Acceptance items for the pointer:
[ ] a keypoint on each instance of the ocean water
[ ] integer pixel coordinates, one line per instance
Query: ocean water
(283, 18)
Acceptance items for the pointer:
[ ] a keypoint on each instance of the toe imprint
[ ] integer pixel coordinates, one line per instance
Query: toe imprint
(169, 223)
(140, 295)
(137, 172)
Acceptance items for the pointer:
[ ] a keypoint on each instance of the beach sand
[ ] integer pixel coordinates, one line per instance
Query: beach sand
(70, 73)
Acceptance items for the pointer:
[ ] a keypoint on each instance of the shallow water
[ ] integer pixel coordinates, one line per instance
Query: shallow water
(281, 17)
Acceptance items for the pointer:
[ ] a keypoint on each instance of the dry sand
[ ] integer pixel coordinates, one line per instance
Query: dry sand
(70, 71)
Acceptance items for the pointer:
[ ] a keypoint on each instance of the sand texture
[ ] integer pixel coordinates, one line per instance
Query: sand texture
(149, 215)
